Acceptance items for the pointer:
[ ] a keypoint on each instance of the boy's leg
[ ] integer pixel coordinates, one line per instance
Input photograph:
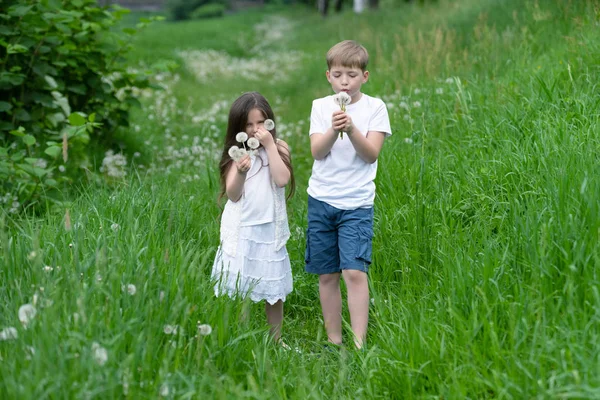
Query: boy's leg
(355, 235)
(322, 258)
(275, 318)
(331, 303)
(358, 303)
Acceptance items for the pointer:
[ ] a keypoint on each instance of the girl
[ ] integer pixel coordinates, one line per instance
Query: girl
(252, 258)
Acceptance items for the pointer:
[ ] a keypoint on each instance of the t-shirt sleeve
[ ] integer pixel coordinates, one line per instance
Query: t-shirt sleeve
(316, 118)
(380, 121)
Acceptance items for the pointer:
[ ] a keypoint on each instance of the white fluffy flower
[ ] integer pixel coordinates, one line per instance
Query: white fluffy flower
(8, 333)
(240, 153)
(253, 143)
(342, 99)
(99, 353)
(164, 390)
(170, 329)
(131, 289)
(269, 124)
(26, 314)
(204, 329)
(233, 151)
(241, 137)
(237, 153)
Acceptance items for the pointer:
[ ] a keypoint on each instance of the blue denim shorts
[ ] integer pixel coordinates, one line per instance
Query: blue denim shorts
(338, 239)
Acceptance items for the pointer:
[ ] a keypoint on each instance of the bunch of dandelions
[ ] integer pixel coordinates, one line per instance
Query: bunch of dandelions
(342, 99)
(237, 153)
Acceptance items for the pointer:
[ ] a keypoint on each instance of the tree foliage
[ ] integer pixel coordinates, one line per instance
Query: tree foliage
(64, 89)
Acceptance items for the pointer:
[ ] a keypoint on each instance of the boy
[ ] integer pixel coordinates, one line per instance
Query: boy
(341, 189)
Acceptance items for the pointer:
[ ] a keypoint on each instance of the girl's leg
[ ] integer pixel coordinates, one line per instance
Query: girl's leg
(275, 318)
(358, 303)
(331, 303)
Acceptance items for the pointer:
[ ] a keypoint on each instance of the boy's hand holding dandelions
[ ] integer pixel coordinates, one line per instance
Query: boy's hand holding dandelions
(341, 122)
(342, 99)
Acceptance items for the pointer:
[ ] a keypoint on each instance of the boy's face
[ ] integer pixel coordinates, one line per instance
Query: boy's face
(347, 79)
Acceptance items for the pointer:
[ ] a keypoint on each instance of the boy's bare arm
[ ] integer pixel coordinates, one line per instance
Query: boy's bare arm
(321, 144)
(367, 147)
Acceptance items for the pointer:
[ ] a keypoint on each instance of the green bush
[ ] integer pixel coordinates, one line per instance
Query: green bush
(64, 90)
(212, 10)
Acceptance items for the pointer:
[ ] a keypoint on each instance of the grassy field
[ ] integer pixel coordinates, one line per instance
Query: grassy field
(485, 280)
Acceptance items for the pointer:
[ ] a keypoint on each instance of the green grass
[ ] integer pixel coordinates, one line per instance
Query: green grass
(487, 222)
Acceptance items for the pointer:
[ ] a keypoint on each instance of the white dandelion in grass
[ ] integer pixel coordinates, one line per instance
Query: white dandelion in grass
(170, 329)
(164, 390)
(342, 99)
(99, 354)
(269, 124)
(131, 289)
(9, 333)
(27, 313)
(204, 329)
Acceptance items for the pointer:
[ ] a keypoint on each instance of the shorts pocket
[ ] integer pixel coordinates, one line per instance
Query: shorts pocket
(364, 250)
(307, 252)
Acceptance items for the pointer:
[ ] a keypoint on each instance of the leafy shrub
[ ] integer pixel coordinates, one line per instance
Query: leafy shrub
(212, 10)
(64, 89)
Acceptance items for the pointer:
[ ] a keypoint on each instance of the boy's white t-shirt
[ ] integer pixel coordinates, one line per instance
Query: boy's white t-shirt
(342, 179)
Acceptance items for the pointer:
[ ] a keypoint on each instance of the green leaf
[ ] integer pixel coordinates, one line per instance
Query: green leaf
(22, 115)
(55, 119)
(51, 182)
(76, 119)
(29, 140)
(51, 82)
(5, 106)
(18, 132)
(16, 49)
(19, 11)
(62, 102)
(92, 117)
(53, 151)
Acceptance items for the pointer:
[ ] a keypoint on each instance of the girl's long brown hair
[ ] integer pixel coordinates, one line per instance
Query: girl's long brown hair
(238, 117)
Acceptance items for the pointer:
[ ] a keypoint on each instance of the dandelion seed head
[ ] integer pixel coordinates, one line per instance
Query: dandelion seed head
(269, 124)
(26, 314)
(164, 390)
(131, 289)
(9, 333)
(204, 329)
(99, 353)
(253, 143)
(241, 137)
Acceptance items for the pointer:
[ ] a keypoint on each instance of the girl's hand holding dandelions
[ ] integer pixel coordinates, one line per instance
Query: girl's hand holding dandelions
(243, 165)
(342, 99)
(264, 136)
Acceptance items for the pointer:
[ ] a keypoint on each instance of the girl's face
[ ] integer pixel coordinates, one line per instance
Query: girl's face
(256, 120)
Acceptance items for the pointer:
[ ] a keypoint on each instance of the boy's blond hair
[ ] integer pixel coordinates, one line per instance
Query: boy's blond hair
(348, 54)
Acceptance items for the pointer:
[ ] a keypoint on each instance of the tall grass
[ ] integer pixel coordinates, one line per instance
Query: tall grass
(485, 275)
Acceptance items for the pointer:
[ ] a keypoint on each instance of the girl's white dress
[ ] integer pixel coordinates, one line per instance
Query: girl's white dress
(257, 268)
